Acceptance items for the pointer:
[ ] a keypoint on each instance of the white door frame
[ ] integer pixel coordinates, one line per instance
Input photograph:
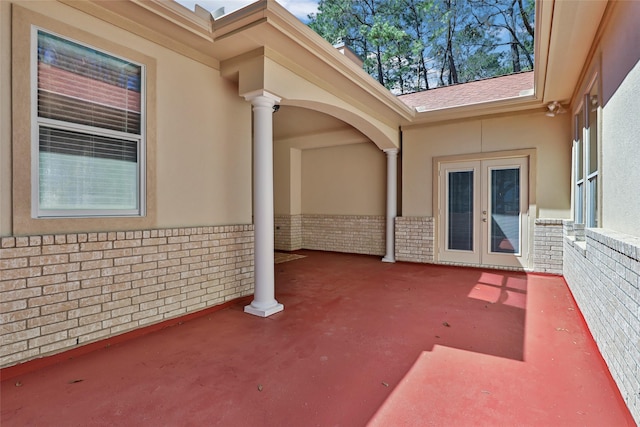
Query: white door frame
(481, 256)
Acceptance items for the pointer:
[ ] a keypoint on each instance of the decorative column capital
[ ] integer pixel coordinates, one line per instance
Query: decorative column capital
(262, 98)
(391, 151)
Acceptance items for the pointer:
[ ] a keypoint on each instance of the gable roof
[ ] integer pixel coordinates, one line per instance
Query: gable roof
(491, 89)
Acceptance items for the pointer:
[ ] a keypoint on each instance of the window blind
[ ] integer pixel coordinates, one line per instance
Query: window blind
(88, 172)
(85, 86)
(89, 111)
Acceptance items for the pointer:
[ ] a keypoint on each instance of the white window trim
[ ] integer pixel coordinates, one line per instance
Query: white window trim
(578, 158)
(591, 219)
(584, 198)
(36, 122)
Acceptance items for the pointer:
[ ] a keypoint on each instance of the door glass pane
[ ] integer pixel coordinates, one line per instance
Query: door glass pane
(460, 211)
(505, 211)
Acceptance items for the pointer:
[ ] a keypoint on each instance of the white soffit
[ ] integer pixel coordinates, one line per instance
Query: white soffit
(574, 26)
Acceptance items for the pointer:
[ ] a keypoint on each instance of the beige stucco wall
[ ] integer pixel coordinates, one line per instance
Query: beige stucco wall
(5, 118)
(201, 131)
(204, 146)
(620, 155)
(287, 179)
(549, 136)
(344, 180)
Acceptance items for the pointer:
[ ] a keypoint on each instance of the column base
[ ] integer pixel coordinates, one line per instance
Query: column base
(264, 312)
(389, 260)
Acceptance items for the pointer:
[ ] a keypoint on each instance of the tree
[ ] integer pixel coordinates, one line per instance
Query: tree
(502, 14)
(412, 45)
(364, 25)
(415, 18)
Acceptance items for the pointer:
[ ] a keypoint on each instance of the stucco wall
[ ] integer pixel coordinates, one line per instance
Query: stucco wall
(287, 179)
(200, 162)
(620, 173)
(550, 136)
(5, 117)
(204, 146)
(344, 180)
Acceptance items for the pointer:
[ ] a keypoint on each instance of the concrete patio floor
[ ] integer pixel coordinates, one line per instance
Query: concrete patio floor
(359, 342)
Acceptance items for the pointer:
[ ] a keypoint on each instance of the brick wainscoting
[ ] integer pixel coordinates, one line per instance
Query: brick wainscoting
(59, 292)
(356, 234)
(603, 273)
(414, 239)
(288, 232)
(547, 246)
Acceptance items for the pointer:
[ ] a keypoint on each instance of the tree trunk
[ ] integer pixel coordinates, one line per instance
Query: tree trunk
(400, 75)
(379, 60)
(424, 70)
(515, 51)
(453, 72)
(525, 19)
(515, 56)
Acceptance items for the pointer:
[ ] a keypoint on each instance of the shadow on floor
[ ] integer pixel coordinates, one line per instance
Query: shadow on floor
(406, 308)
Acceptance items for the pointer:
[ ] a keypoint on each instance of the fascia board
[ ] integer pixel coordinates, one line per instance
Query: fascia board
(180, 15)
(157, 22)
(544, 19)
(478, 110)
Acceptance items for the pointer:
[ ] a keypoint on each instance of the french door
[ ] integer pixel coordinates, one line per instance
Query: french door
(483, 212)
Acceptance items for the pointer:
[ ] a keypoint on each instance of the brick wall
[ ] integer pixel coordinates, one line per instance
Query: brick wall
(288, 232)
(58, 292)
(357, 234)
(414, 239)
(547, 246)
(603, 273)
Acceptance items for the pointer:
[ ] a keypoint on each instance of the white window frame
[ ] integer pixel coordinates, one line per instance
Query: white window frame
(586, 200)
(591, 202)
(37, 122)
(578, 161)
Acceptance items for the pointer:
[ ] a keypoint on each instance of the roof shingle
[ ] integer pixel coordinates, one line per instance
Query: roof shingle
(502, 87)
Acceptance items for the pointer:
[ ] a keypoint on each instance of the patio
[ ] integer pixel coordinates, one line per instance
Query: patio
(360, 342)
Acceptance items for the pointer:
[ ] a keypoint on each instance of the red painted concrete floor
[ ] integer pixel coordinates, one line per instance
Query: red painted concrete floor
(360, 342)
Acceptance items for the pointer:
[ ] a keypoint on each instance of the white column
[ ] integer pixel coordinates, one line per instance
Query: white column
(392, 198)
(264, 303)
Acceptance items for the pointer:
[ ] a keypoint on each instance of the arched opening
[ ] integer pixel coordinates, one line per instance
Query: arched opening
(329, 184)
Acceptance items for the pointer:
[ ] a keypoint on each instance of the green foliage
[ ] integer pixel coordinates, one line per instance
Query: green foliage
(412, 45)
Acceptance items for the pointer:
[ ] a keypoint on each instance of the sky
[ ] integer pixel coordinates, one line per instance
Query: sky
(299, 8)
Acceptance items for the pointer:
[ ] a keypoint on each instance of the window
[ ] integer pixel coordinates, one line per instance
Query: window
(585, 160)
(88, 150)
(591, 157)
(578, 155)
